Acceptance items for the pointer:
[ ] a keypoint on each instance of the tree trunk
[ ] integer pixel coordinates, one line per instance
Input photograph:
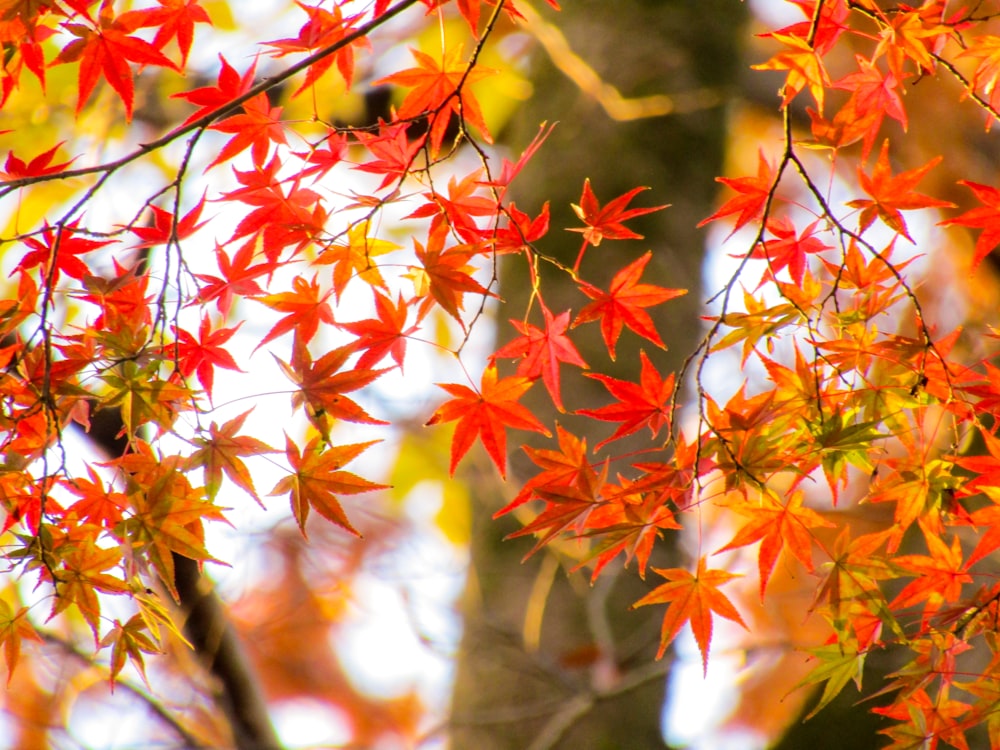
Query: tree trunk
(546, 660)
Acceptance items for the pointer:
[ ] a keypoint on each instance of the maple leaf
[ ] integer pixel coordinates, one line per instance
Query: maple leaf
(106, 51)
(445, 274)
(777, 526)
(354, 259)
(646, 403)
(238, 278)
(631, 522)
(440, 88)
(16, 169)
(257, 128)
(56, 252)
(211, 98)
(457, 211)
(306, 306)
(541, 351)
(173, 19)
(519, 232)
(873, 95)
(986, 49)
(804, 65)
(14, 628)
(97, 504)
(753, 193)
(607, 222)
(939, 576)
(394, 152)
(316, 481)
(322, 386)
(166, 228)
(913, 35)
(691, 598)
(220, 453)
(892, 194)
(567, 466)
(985, 217)
(486, 413)
(383, 335)
(323, 29)
(323, 156)
(787, 251)
(202, 355)
(81, 575)
(623, 303)
(128, 643)
(508, 170)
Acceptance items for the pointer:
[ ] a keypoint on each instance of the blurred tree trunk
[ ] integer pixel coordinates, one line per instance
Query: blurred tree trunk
(547, 661)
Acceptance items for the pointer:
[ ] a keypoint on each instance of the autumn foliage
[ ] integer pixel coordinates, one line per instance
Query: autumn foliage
(854, 403)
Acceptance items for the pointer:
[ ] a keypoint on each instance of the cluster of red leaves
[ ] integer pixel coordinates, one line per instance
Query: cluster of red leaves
(860, 415)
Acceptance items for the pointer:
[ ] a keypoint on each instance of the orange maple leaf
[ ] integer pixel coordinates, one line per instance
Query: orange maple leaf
(316, 480)
(440, 88)
(486, 413)
(691, 597)
(753, 194)
(777, 526)
(639, 404)
(985, 217)
(804, 65)
(891, 194)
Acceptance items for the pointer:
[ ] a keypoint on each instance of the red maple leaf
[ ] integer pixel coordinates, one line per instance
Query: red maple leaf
(238, 278)
(541, 351)
(16, 169)
(322, 385)
(306, 306)
(202, 355)
(106, 49)
(486, 414)
(165, 229)
(787, 250)
(457, 212)
(444, 274)
(57, 252)
(211, 98)
(220, 452)
(623, 303)
(567, 466)
(875, 93)
(646, 403)
(383, 335)
(691, 597)
(985, 217)
(508, 170)
(323, 29)
(891, 194)
(257, 128)
(607, 222)
(631, 522)
(519, 232)
(174, 19)
(753, 194)
(392, 149)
